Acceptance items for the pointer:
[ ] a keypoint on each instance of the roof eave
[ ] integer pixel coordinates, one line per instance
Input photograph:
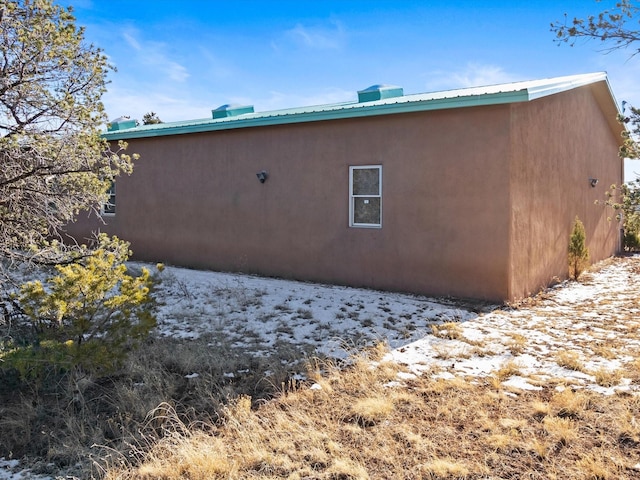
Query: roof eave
(566, 83)
(357, 111)
(609, 105)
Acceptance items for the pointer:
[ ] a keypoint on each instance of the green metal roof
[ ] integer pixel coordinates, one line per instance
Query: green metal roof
(465, 97)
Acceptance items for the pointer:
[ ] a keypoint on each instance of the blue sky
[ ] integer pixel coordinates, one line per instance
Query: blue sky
(181, 59)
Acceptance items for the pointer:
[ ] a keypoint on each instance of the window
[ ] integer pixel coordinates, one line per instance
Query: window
(109, 208)
(365, 196)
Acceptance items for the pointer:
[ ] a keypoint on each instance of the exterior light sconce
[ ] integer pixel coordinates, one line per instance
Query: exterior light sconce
(593, 182)
(262, 176)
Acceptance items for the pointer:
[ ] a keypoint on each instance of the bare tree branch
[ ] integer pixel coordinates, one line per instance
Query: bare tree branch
(614, 27)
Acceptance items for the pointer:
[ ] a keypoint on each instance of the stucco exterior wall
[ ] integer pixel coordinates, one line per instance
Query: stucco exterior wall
(551, 163)
(477, 202)
(194, 200)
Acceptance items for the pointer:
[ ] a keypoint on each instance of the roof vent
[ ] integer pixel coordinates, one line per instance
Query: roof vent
(379, 92)
(121, 123)
(231, 110)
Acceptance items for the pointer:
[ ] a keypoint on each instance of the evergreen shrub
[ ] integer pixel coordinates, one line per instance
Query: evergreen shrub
(87, 317)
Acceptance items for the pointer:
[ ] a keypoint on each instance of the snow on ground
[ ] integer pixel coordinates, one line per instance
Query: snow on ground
(565, 335)
(261, 314)
(10, 469)
(575, 334)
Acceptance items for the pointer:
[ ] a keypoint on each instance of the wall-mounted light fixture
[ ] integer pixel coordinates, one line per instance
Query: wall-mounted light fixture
(593, 182)
(262, 176)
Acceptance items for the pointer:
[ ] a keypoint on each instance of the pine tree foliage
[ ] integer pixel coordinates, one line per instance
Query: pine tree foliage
(578, 251)
(615, 26)
(151, 118)
(54, 161)
(88, 316)
(630, 205)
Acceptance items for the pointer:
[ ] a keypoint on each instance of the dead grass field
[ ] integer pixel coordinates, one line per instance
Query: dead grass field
(235, 385)
(358, 423)
(573, 413)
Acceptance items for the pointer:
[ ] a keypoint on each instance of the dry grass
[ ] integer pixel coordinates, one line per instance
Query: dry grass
(561, 430)
(448, 330)
(607, 378)
(443, 468)
(353, 426)
(359, 421)
(568, 403)
(60, 420)
(633, 368)
(370, 411)
(517, 343)
(570, 359)
(508, 369)
(605, 350)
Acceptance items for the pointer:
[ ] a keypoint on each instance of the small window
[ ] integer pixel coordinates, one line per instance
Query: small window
(365, 196)
(109, 208)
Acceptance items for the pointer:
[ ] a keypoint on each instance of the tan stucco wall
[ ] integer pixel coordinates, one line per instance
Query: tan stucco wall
(194, 200)
(552, 161)
(477, 202)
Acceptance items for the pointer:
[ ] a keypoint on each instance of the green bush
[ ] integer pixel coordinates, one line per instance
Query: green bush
(631, 241)
(626, 205)
(87, 317)
(578, 251)
(630, 203)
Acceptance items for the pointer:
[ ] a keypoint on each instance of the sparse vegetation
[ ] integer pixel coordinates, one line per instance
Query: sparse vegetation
(201, 407)
(438, 428)
(84, 319)
(607, 378)
(570, 359)
(517, 343)
(630, 205)
(578, 251)
(508, 369)
(448, 330)
(71, 420)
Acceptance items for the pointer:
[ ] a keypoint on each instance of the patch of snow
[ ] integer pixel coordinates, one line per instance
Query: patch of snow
(521, 383)
(445, 375)
(406, 376)
(10, 470)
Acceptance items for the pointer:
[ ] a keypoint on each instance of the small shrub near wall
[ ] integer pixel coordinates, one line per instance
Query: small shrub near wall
(578, 252)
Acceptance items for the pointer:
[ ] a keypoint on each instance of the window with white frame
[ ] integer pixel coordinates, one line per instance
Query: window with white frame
(365, 196)
(109, 208)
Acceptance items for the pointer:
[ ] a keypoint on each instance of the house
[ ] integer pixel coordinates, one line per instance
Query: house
(467, 193)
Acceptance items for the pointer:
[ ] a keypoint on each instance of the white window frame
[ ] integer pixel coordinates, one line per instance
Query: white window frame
(112, 195)
(353, 197)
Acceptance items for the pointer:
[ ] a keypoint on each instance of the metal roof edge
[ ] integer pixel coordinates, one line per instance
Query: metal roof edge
(613, 97)
(356, 110)
(466, 97)
(562, 84)
(616, 126)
